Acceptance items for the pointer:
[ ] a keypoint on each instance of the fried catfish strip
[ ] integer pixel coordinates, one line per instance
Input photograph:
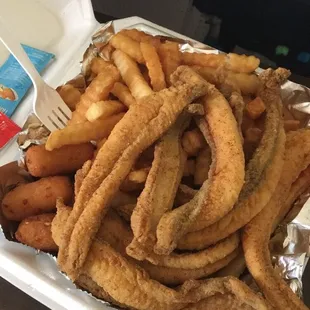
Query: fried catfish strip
(172, 276)
(159, 191)
(220, 302)
(80, 176)
(97, 291)
(261, 172)
(214, 199)
(232, 93)
(235, 268)
(141, 126)
(130, 285)
(297, 188)
(237, 104)
(125, 211)
(257, 232)
(197, 259)
(184, 195)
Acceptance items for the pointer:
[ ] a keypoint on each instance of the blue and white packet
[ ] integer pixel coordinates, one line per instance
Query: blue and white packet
(14, 81)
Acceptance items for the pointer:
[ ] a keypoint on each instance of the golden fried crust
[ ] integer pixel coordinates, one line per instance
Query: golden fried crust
(220, 302)
(159, 191)
(235, 268)
(257, 232)
(80, 176)
(260, 180)
(88, 284)
(300, 186)
(201, 264)
(198, 259)
(151, 117)
(174, 276)
(214, 199)
(130, 285)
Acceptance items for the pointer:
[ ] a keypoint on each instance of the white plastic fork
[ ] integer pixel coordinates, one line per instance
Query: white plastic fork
(47, 104)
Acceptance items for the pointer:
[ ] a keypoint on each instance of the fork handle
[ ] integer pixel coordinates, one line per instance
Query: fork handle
(20, 55)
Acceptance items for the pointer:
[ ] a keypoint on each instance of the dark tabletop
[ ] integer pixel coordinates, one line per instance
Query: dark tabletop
(11, 298)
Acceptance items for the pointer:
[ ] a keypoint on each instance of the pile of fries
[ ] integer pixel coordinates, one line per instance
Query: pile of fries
(144, 64)
(187, 146)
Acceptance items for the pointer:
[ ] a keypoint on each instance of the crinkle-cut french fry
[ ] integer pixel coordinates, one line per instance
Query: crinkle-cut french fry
(203, 60)
(135, 180)
(153, 65)
(170, 58)
(247, 83)
(242, 63)
(233, 62)
(128, 46)
(131, 75)
(104, 109)
(141, 36)
(193, 141)
(135, 34)
(255, 108)
(98, 65)
(80, 133)
(123, 93)
(98, 90)
(70, 95)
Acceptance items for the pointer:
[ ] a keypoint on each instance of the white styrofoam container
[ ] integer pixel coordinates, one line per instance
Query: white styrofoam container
(36, 273)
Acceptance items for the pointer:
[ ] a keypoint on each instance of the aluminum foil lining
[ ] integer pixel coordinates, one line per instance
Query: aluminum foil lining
(290, 244)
